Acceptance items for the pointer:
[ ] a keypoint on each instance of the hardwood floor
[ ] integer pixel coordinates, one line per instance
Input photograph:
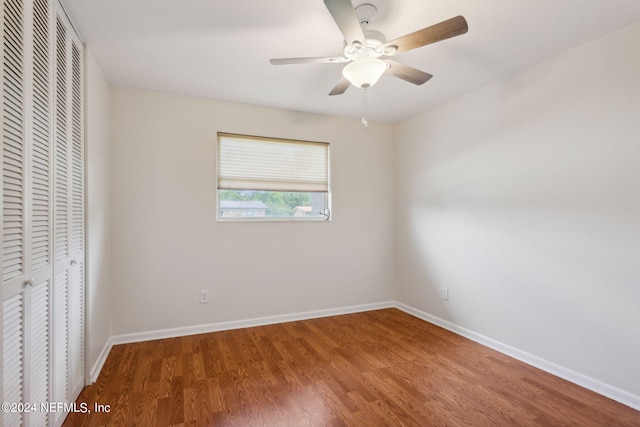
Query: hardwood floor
(376, 368)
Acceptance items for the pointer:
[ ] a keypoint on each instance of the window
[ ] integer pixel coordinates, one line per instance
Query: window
(262, 179)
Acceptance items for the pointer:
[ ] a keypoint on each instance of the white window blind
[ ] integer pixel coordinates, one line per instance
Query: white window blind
(269, 164)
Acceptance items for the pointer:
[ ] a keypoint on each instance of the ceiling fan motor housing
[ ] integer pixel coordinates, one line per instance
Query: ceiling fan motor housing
(372, 46)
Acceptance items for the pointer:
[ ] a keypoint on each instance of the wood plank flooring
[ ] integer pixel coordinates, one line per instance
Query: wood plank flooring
(377, 368)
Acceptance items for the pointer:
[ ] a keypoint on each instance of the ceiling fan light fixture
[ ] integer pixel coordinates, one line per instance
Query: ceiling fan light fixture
(364, 73)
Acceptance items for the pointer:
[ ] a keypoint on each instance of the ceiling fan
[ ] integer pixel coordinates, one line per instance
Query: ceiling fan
(367, 52)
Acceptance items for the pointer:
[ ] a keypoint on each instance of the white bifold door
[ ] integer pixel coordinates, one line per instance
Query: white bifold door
(42, 213)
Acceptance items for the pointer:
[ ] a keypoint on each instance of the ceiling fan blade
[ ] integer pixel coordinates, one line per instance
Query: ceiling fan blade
(435, 33)
(345, 16)
(341, 87)
(327, 60)
(407, 73)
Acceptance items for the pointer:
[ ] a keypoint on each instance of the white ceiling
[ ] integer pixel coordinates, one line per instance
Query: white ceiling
(220, 49)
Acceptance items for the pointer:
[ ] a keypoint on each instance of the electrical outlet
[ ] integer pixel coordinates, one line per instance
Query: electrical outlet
(445, 294)
(204, 296)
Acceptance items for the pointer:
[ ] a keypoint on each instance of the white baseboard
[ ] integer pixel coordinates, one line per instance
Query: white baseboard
(589, 383)
(225, 326)
(102, 357)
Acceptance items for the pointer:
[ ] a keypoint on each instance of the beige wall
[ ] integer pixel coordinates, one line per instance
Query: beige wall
(98, 179)
(523, 199)
(167, 244)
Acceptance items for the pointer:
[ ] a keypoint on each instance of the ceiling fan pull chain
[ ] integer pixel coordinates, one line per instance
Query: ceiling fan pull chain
(365, 124)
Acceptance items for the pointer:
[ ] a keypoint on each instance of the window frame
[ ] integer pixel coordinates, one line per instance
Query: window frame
(327, 194)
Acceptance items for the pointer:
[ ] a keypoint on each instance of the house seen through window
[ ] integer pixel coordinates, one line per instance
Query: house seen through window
(272, 179)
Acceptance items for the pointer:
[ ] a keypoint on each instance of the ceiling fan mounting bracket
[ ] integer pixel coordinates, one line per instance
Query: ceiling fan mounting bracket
(365, 13)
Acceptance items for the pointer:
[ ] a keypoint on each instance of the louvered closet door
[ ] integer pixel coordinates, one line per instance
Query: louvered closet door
(13, 206)
(41, 210)
(26, 205)
(68, 294)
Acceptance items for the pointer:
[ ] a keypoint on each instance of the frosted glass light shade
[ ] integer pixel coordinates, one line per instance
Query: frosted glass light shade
(364, 73)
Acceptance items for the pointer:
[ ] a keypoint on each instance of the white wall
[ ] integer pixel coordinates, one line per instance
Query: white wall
(167, 244)
(523, 198)
(98, 181)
